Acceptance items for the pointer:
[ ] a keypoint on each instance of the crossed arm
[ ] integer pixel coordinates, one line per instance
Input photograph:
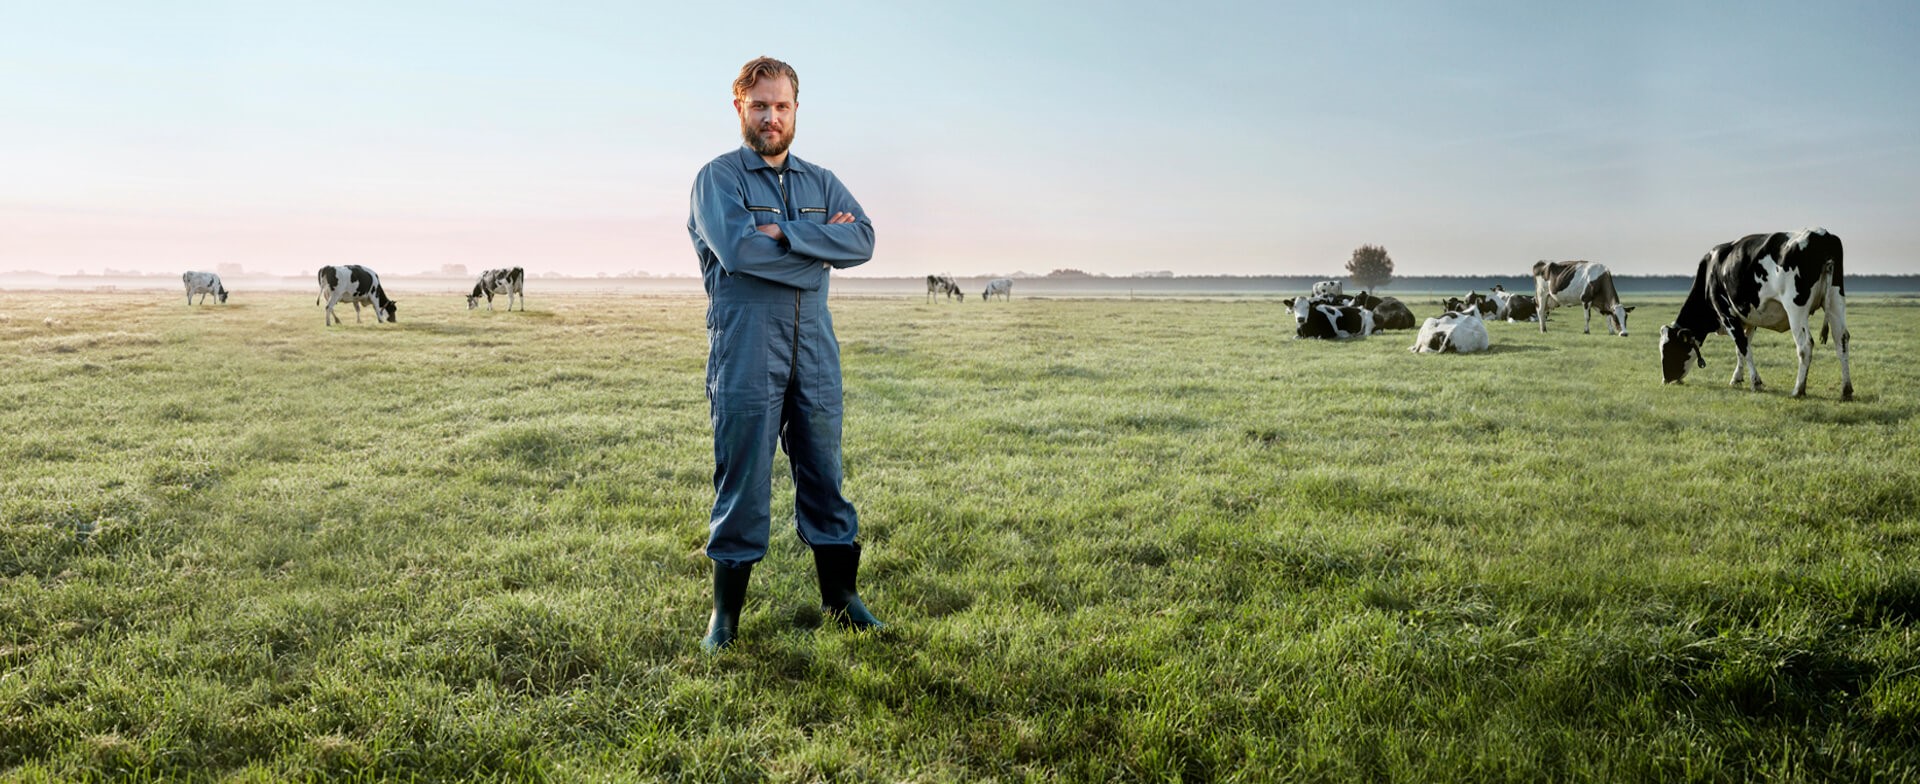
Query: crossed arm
(795, 254)
(773, 229)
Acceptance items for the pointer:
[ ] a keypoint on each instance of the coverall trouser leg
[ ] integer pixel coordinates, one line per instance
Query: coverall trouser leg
(775, 379)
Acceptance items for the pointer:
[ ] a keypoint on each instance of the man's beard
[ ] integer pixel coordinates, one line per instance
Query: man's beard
(751, 133)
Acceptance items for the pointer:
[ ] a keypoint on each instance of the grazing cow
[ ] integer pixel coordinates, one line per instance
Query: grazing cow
(203, 283)
(1456, 331)
(1514, 307)
(943, 285)
(1774, 281)
(358, 285)
(1559, 284)
(509, 282)
(1335, 322)
(1000, 286)
(1392, 314)
(1327, 288)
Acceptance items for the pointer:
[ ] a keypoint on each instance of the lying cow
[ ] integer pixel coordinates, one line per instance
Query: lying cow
(509, 282)
(1392, 314)
(1514, 307)
(1000, 286)
(358, 285)
(944, 286)
(1560, 284)
(203, 283)
(1334, 322)
(1774, 281)
(1327, 288)
(1461, 332)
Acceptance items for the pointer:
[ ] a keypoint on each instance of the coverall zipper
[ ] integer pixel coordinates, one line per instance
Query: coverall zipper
(786, 211)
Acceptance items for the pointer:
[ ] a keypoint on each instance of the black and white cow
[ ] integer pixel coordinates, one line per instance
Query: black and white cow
(1457, 332)
(203, 283)
(510, 282)
(1563, 284)
(1000, 286)
(358, 285)
(944, 286)
(1334, 322)
(1327, 288)
(1514, 307)
(1774, 281)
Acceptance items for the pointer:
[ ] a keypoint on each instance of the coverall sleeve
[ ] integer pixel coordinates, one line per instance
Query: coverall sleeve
(842, 245)
(720, 215)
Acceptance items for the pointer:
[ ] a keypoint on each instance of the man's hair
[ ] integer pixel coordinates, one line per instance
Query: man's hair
(761, 67)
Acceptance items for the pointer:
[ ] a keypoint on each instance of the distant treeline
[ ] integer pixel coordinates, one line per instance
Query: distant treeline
(1291, 284)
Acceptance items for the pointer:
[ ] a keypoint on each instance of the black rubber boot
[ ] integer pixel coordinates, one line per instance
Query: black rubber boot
(729, 594)
(839, 564)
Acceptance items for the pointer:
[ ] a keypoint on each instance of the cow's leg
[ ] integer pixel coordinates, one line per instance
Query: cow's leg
(1743, 362)
(1836, 311)
(1588, 329)
(1798, 324)
(356, 313)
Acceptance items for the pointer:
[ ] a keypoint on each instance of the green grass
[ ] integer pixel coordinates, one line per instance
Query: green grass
(1114, 540)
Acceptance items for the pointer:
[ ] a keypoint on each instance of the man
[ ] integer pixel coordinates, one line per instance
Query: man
(768, 227)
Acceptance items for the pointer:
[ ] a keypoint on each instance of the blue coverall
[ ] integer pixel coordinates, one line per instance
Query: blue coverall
(773, 365)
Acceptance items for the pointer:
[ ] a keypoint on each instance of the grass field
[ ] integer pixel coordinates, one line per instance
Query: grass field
(1114, 540)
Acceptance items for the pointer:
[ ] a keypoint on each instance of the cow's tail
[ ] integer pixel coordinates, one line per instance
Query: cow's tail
(1839, 285)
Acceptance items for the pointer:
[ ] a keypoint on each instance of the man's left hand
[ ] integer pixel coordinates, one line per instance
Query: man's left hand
(772, 230)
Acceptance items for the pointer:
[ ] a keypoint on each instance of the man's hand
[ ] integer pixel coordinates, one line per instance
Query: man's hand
(840, 217)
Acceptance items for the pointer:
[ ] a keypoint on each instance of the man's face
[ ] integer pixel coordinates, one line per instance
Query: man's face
(766, 115)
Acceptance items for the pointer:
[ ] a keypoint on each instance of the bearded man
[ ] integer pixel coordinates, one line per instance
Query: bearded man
(768, 228)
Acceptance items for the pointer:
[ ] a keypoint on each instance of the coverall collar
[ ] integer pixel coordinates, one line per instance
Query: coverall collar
(751, 161)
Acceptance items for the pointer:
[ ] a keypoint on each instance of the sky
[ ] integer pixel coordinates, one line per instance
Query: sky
(981, 138)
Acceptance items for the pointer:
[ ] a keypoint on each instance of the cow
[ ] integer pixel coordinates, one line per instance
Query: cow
(1461, 332)
(508, 281)
(1474, 301)
(1327, 288)
(1000, 286)
(1774, 281)
(944, 286)
(1558, 284)
(203, 283)
(1334, 322)
(1392, 314)
(358, 285)
(1364, 300)
(1514, 307)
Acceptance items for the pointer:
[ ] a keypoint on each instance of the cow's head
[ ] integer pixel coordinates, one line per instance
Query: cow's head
(390, 309)
(1677, 345)
(473, 302)
(223, 296)
(1301, 306)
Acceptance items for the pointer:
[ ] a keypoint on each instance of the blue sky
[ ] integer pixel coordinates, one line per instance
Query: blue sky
(982, 138)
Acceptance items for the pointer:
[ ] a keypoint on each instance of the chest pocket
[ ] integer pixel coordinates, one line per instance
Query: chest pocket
(763, 215)
(815, 214)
